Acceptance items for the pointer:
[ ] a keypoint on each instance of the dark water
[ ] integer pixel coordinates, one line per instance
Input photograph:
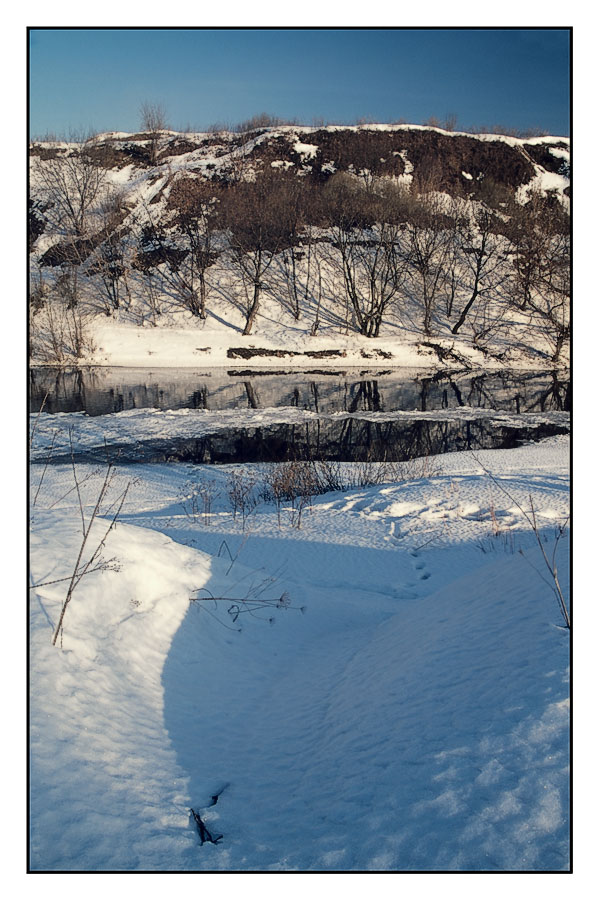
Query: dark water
(103, 391)
(353, 440)
(112, 390)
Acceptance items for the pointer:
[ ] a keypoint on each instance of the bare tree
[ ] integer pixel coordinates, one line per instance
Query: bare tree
(550, 302)
(429, 234)
(254, 217)
(450, 122)
(109, 260)
(152, 116)
(367, 224)
(540, 266)
(196, 211)
(158, 257)
(153, 120)
(529, 238)
(295, 200)
(531, 228)
(260, 120)
(482, 253)
(70, 186)
(296, 262)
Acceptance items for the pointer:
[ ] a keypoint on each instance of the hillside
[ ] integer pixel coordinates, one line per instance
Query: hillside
(407, 244)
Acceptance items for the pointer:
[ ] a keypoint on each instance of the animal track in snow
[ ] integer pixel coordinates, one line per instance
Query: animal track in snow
(419, 566)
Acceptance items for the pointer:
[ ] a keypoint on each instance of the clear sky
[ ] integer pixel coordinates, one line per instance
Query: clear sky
(96, 79)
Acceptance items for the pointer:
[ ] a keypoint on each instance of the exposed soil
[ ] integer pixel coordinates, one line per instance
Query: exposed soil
(438, 159)
(251, 352)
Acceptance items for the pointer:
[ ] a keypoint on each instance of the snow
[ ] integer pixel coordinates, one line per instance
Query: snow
(306, 150)
(544, 181)
(414, 719)
(129, 338)
(185, 342)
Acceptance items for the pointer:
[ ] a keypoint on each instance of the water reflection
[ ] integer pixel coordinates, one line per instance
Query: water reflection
(350, 440)
(103, 391)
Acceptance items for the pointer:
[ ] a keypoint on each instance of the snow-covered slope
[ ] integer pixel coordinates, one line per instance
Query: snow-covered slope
(152, 326)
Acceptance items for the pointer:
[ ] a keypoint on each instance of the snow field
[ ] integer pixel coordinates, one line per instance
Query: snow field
(414, 719)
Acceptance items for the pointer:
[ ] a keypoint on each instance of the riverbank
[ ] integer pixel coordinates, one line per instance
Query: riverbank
(175, 338)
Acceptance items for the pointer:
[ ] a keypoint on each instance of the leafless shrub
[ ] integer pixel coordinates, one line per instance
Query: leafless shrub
(295, 482)
(201, 495)
(298, 482)
(368, 473)
(415, 469)
(94, 561)
(240, 488)
(46, 463)
(503, 540)
(548, 557)
(330, 475)
(59, 334)
(219, 128)
(38, 290)
(50, 451)
(334, 476)
(49, 137)
(276, 488)
(261, 120)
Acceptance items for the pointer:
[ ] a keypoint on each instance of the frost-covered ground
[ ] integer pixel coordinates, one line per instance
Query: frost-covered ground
(414, 717)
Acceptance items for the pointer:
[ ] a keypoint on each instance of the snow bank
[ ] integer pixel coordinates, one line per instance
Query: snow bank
(101, 760)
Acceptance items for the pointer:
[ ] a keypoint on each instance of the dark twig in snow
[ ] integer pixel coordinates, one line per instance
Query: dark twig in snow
(81, 568)
(247, 605)
(205, 836)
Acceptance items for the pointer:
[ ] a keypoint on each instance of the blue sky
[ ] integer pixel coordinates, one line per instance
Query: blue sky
(96, 79)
